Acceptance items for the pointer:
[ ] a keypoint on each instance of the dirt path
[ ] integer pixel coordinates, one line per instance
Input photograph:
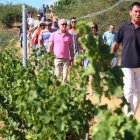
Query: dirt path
(113, 103)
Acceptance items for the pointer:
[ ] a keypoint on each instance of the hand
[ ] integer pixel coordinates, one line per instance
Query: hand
(71, 62)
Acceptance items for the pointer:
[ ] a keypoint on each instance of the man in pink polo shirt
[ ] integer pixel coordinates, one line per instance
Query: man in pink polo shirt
(60, 43)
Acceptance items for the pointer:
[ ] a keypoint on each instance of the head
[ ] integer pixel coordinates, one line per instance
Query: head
(134, 12)
(73, 22)
(30, 15)
(39, 16)
(49, 24)
(94, 27)
(42, 25)
(62, 23)
(55, 21)
(68, 24)
(111, 28)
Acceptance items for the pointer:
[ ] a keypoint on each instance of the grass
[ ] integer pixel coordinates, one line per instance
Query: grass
(6, 35)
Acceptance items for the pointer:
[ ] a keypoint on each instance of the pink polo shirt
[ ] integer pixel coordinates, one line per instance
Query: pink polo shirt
(61, 43)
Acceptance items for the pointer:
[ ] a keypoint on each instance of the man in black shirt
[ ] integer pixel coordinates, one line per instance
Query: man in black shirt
(129, 36)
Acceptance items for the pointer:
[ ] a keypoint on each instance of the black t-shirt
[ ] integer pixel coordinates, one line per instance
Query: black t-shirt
(130, 39)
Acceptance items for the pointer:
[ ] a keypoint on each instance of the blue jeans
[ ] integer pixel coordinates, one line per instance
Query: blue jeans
(36, 49)
(86, 62)
(115, 60)
(21, 40)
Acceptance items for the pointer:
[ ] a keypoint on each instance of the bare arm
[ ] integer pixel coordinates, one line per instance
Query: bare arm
(50, 47)
(39, 43)
(115, 47)
(71, 52)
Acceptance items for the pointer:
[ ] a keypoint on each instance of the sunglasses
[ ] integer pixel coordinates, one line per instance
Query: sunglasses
(64, 24)
(42, 25)
(73, 22)
(48, 25)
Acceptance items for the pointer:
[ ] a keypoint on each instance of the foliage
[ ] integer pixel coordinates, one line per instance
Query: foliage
(60, 5)
(36, 105)
(115, 127)
(8, 19)
(10, 13)
(99, 67)
(81, 8)
(5, 37)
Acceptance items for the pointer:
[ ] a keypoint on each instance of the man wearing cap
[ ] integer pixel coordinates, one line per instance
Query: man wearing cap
(60, 43)
(44, 36)
(36, 34)
(36, 23)
(39, 19)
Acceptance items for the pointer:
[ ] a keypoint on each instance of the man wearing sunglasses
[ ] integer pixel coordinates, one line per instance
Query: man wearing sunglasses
(45, 35)
(60, 43)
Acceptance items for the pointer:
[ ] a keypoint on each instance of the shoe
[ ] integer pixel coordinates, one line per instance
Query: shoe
(130, 114)
(127, 110)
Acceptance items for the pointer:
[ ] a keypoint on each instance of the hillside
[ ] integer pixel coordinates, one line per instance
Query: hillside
(10, 14)
(109, 11)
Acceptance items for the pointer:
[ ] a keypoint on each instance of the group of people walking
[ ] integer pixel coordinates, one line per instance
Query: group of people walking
(59, 36)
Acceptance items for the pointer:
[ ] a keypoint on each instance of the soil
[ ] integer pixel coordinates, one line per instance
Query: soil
(112, 104)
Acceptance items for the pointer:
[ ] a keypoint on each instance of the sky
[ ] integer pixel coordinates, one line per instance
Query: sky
(34, 3)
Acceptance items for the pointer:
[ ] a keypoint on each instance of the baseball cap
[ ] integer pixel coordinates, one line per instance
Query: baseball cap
(39, 15)
(48, 21)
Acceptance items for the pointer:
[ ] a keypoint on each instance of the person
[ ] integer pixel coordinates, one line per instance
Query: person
(30, 19)
(36, 22)
(68, 25)
(75, 35)
(54, 24)
(44, 36)
(51, 11)
(98, 39)
(47, 8)
(36, 35)
(108, 38)
(109, 35)
(60, 43)
(21, 33)
(129, 35)
(42, 9)
(21, 36)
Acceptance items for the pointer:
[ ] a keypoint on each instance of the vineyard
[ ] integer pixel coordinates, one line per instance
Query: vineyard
(35, 105)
